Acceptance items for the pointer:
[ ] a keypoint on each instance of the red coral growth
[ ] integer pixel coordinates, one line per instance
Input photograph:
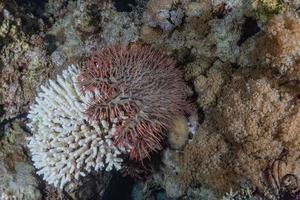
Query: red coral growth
(139, 85)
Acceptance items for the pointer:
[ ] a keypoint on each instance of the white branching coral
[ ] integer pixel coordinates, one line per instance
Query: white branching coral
(64, 145)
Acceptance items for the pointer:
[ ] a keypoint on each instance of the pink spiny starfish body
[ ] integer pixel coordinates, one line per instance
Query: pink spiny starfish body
(139, 85)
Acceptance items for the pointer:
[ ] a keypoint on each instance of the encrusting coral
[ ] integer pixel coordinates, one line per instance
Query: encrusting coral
(265, 9)
(64, 146)
(165, 14)
(254, 117)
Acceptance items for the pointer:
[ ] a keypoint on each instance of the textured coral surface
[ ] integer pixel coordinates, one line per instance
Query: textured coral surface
(240, 60)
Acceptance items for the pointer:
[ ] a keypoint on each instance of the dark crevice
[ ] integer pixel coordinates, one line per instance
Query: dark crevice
(8, 121)
(193, 99)
(201, 115)
(235, 66)
(184, 56)
(30, 25)
(36, 7)
(50, 43)
(29, 11)
(222, 11)
(249, 29)
(195, 95)
(2, 110)
(119, 188)
(124, 5)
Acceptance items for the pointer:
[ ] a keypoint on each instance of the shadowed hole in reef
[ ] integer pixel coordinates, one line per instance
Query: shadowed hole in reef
(1, 127)
(1, 110)
(50, 43)
(34, 10)
(119, 188)
(34, 6)
(124, 5)
(249, 29)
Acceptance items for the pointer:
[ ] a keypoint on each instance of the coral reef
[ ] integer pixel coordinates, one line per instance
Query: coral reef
(250, 113)
(254, 121)
(206, 160)
(250, 107)
(255, 117)
(265, 9)
(123, 29)
(16, 172)
(34, 39)
(280, 45)
(245, 193)
(165, 14)
(22, 56)
(240, 61)
(208, 85)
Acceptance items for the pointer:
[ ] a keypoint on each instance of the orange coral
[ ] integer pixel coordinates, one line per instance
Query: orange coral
(206, 161)
(256, 116)
(253, 122)
(280, 46)
(249, 114)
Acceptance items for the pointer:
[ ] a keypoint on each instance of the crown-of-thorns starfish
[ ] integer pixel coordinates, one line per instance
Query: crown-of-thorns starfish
(139, 86)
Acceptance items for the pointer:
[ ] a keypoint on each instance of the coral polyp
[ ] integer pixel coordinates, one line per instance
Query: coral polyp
(141, 87)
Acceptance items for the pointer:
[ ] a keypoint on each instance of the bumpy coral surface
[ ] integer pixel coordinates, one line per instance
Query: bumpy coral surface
(240, 57)
(254, 116)
(140, 86)
(164, 14)
(206, 160)
(64, 146)
(16, 171)
(281, 45)
(254, 122)
(252, 111)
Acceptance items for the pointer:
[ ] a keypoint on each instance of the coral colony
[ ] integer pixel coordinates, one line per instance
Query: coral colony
(119, 105)
(64, 146)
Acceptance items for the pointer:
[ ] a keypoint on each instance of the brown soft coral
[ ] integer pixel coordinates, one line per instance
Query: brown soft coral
(248, 115)
(254, 121)
(252, 118)
(209, 84)
(250, 109)
(280, 48)
(260, 118)
(258, 114)
(289, 130)
(206, 161)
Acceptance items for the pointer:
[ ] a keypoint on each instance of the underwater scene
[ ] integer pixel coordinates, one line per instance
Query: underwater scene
(149, 99)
